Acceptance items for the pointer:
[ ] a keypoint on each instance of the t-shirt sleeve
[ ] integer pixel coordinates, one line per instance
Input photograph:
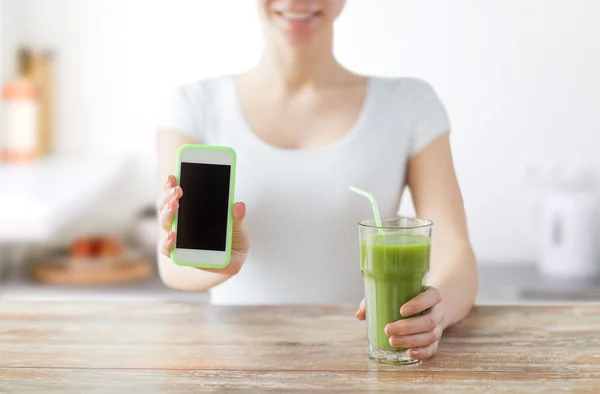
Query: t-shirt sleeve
(430, 120)
(181, 112)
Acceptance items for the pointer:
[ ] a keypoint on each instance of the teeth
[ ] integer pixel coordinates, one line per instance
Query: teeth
(295, 16)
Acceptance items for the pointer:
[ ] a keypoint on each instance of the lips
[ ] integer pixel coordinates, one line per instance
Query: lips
(297, 17)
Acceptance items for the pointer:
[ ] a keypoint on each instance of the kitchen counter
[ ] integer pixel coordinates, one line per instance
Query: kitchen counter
(186, 347)
(499, 284)
(517, 284)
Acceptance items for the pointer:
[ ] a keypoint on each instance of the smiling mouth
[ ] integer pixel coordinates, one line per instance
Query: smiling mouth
(297, 16)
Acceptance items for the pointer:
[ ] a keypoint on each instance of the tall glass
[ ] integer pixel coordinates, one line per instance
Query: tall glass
(394, 260)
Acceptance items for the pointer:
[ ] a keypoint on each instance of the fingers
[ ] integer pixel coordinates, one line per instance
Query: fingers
(169, 182)
(417, 340)
(171, 190)
(167, 214)
(422, 353)
(422, 302)
(415, 325)
(168, 244)
(361, 314)
(419, 334)
(170, 193)
(166, 210)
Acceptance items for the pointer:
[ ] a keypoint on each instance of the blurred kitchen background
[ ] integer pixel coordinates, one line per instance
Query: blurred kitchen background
(83, 82)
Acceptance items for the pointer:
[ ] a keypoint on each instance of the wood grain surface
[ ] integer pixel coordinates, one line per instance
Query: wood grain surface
(178, 347)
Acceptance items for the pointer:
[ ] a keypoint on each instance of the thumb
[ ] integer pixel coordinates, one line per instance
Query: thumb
(239, 213)
(361, 314)
(241, 243)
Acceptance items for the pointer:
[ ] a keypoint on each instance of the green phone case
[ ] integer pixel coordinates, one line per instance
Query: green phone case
(231, 202)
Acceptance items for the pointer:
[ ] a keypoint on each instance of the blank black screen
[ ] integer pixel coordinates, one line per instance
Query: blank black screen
(203, 208)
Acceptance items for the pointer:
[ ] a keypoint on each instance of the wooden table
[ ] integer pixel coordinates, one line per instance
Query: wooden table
(172, 348)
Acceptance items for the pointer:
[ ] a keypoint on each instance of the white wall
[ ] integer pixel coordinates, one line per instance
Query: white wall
(520, 80)
(115, 60)
(11, 16)
(2, 28)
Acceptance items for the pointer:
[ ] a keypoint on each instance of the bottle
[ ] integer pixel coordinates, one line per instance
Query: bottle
(19, 139)
(42, 77)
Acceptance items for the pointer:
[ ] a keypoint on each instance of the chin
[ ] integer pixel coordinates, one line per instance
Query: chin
(298, 40)
(302, 38)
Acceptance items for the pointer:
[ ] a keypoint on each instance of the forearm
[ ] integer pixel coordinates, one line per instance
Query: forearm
(187, 278)
(455, 276)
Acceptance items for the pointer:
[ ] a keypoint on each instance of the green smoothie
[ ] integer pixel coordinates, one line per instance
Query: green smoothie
(394, 266)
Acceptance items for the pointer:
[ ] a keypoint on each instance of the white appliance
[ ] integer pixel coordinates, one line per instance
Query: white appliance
(568, 231)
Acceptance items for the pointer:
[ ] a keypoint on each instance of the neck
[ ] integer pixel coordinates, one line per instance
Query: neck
(297, 66)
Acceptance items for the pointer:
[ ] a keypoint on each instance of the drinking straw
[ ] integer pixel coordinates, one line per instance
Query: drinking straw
(371, 198)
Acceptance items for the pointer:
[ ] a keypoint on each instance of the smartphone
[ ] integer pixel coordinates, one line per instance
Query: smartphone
(204, 220)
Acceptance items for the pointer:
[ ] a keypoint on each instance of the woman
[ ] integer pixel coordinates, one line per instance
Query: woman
(305, 129)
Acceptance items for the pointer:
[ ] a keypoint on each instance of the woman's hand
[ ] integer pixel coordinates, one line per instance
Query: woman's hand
(420, 334)
(167, 209)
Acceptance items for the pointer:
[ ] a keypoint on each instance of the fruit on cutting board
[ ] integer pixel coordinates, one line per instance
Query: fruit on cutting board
(96, 247)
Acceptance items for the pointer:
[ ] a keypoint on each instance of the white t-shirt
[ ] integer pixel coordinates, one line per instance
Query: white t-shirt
(301, 218)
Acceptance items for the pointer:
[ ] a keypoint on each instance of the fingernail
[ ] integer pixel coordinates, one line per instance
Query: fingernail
(414, 353)
(167, 179)
(172, 192)
(357, 312)
(391, 330)
(406, 311)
